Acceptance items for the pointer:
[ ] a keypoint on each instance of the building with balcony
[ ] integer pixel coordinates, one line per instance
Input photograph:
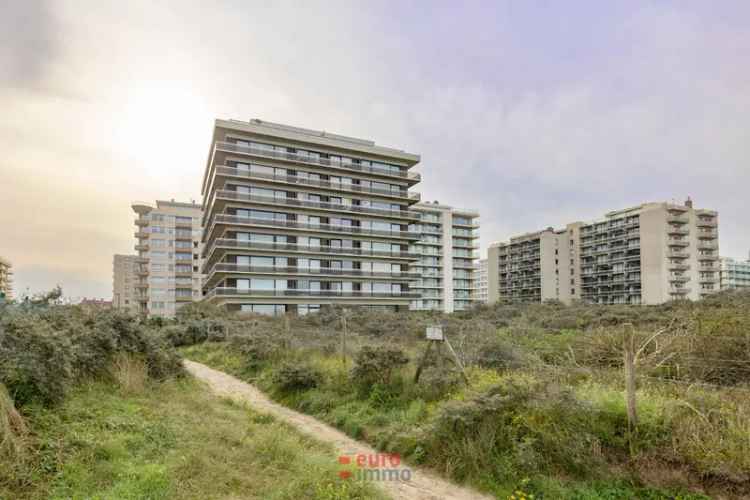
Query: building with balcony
(168, 263)
(648, 254)
(448, 250)
(734, 274)
(6, 280)
(296, 218)
(534, 267)
(124, 278)
(481, 281)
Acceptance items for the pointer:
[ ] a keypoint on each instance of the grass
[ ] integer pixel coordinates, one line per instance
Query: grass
(400, 421)
(172, 440)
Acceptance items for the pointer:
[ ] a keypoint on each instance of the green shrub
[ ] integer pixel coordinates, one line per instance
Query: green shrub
(375, 365)
(296, 377)
(44, 351)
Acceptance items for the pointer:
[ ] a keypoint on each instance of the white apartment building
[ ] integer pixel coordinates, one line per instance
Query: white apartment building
(124, 277)
(448, 249)
(481, 281)
(169, 249)
(647, 254)
(734, 273)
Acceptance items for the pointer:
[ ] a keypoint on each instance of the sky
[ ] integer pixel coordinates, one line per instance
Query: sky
(535, 113)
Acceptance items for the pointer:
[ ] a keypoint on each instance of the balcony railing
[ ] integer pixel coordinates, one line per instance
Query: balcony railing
(140, 221)
(283, 155)
(329, 228)
(679, 291)
(293, 202)
(677, 219)
(708, 246)
(229, 267)
(678, 230)
(141, 235)
(291, 247)
(302, 181)
(242, 292)
(706, 223)
(677, 254)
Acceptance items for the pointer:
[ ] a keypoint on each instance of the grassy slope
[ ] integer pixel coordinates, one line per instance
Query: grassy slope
(391, 428)
(175, 440)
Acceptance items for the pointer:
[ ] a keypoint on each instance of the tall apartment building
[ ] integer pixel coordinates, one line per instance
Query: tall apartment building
(734, 273)
(168, 262)
(124, 277)
(535, 267)
(647, 254)
(481, 281)
(448, 248)
(6, 279)
(297, 218)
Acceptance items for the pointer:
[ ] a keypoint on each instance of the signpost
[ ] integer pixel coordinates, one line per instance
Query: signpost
(435, 335)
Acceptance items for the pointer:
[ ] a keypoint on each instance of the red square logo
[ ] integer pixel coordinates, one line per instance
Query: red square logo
(344, 460)
(345, 474)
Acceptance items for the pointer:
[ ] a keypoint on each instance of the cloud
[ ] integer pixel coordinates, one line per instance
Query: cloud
(536, 115)
(29, 43)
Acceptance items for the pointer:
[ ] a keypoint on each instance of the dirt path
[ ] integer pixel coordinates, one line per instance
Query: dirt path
(421, 486)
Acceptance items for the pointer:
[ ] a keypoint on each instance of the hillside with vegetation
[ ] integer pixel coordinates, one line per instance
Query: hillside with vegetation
(96, 404)
(543, 408)
(527, 400)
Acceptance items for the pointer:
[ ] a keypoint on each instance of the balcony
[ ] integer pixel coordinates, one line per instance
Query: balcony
(707, 245)
(706, 223)
(679, 279)
(183, 298)
(141, 235)
(679, 291)
(140, 221)
(301, 181)
(316, 205)
(142, 247)
(676, 254)
(678, 230)
(141, 284)
(142, 260)
(141, 272)
(708, 280)
(708, 257)
(677, 219)
(230, 267)
(677, 243)
(678, 267)
(324, 228)
(317, 250)
(183, 260)
(240, 292)
(229, 147)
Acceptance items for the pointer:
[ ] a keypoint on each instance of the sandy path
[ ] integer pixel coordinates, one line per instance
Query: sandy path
(421, 486)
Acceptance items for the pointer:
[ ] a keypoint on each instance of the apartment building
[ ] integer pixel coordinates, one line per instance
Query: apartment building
(6, 279)
(481, 281)
(648, 254)
(535, 267)
(169, 247)
(447, 247)
(734, 273)
(124, 278)
(297, 218)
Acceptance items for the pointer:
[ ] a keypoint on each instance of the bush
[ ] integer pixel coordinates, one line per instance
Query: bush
(296, 377)
(43, 352)
(375, 365)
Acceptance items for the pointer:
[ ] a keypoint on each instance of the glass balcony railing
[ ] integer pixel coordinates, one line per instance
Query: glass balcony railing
(322, 249)
(283, 155)
(242, 292)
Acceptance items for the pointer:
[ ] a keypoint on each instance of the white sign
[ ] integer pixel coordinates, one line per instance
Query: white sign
(435, 333)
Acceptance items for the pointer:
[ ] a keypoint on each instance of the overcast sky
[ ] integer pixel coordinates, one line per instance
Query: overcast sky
(534, 113)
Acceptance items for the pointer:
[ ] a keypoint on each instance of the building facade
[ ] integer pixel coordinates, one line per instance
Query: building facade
(648, 254)
(6, 280)
(124, 278)
(448, 249)
(168, 269)
(734, 274)
(481, 281)
(296, 218)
